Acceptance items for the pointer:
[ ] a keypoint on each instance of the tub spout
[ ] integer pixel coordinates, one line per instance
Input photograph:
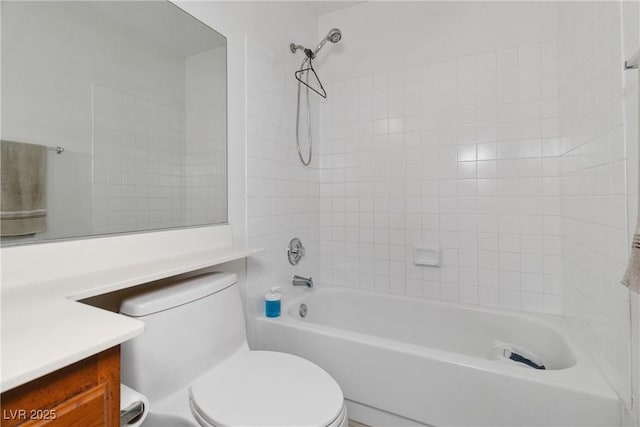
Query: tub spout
(302, 281)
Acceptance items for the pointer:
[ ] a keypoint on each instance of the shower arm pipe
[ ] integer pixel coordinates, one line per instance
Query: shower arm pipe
(308, 53)
(295, 47)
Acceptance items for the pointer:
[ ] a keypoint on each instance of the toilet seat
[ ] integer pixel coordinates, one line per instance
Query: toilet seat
(263, 388)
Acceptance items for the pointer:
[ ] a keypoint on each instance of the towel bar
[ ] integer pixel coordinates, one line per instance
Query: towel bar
(58, 149)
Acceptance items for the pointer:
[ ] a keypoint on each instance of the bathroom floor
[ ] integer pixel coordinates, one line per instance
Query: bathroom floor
(356, 424)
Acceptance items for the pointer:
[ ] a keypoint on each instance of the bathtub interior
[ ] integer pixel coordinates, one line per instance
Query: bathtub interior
(463, 330)
(450, 380)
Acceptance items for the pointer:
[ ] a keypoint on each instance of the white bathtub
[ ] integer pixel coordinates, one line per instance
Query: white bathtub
(425, 362)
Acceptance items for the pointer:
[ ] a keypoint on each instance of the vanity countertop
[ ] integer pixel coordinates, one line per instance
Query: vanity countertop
(45, 328)
(43, 331)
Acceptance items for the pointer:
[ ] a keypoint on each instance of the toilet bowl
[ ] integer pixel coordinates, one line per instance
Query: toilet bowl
(283, 390)
(194, 364)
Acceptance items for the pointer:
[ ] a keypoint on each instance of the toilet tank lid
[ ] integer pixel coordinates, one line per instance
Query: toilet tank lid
(175, 292)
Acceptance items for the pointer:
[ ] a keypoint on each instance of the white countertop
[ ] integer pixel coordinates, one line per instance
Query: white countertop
(44, 328)
(43, 332)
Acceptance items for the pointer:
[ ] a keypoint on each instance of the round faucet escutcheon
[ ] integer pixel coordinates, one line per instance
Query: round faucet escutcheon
(295, 251)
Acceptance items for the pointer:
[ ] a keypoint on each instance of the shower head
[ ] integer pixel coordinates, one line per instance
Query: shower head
(334, 36)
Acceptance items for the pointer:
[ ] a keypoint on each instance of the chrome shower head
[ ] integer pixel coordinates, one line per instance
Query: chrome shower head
(334, 35)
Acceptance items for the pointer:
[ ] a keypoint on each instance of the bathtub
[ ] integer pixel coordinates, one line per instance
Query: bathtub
(406, 361)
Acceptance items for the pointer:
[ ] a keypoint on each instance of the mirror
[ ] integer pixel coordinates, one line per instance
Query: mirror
(113, 119)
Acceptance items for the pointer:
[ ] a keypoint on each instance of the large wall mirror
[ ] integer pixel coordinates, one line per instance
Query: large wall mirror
(114, 119)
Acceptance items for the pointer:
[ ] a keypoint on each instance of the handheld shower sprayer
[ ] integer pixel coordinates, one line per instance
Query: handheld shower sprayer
(334, 36)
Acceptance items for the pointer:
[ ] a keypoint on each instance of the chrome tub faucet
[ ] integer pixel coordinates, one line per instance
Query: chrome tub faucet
(302, 281)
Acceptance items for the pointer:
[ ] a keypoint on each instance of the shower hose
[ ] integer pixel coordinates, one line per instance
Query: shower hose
(302, 159)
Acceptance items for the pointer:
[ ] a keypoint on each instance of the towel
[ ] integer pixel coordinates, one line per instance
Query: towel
(632, 275)
(23, 172)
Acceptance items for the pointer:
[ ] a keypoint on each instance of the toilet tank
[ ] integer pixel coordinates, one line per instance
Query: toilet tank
(191, 324)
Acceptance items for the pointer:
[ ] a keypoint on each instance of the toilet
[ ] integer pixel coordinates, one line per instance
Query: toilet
(194, 365)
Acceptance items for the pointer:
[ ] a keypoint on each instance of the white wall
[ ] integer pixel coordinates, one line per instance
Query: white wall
(206, 137)
(274, 25)
(631, 45)
(440, 132)
(274, 201)
(598, 116)
(137, 159)
(380, 36)
(282, 195)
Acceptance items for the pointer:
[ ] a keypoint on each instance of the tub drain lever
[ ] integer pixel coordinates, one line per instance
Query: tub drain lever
(513, 353)
(521, 359)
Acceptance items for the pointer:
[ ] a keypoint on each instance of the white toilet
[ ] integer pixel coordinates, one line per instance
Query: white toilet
(194, 364)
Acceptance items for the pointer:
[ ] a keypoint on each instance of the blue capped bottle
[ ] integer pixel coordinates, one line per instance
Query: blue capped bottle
(272, 302)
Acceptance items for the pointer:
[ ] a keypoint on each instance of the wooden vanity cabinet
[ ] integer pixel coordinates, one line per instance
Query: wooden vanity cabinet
(84, 394)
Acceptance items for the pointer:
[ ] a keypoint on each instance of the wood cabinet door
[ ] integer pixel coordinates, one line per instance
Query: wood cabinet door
(85, 394)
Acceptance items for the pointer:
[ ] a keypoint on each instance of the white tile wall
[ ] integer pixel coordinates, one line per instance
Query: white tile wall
(158, 166)
(593, 185)
(206, 137)
(459, 155)
(206, 166)
(282, 195)
(631, 43)
(138, 163)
